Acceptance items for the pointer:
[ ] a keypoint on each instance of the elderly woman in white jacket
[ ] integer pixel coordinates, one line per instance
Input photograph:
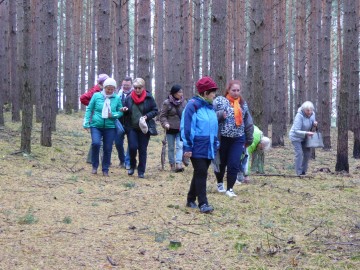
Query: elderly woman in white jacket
(303, 123)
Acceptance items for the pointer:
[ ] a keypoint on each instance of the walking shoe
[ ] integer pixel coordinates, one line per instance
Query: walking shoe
(131, 171)
(122, 164)
(106, 174)
(172, 167)
(141, 175)
(238, 182)
(230, 193)
(220, 187)
(206, 208)
(178, 167)
(191, 205)
(94, 171)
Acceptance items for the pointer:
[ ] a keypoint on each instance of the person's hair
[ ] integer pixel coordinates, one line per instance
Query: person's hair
(228, 87)
(128, 79)
(266, 143)
(307, 105)
(207, 92)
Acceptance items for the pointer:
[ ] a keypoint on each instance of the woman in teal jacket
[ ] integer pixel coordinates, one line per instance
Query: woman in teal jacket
(100, 116)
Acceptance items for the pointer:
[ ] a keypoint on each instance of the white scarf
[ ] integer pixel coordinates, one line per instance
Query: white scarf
(106, 107)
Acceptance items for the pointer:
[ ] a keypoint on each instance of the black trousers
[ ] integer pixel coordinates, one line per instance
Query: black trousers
(198, 182)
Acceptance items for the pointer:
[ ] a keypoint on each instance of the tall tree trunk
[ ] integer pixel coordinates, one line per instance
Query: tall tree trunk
(120, 35)
(76, 71)
(257, 51)
(15, 93)
(313, 51)
(144, 42)
(27, 112)
(229, 41)
(342, 159)
(301, 41)
(94, 22)
(354, 81)
(36, 58)
(48, 71)
(20, 46)
(136, 31)
(4, 66)
(217, 44)
(188, 59)
(68, 60)
(197, 26)
(61, 35)
(205, 45)
(159, 48)
(290, 54)
(324, 103)
(103, 35)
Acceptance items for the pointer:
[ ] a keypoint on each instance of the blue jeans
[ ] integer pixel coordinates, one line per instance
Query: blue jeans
(108, 135)
(302, 156)
(174, 142)
(119, 144)
(230, 153)
(138, 141)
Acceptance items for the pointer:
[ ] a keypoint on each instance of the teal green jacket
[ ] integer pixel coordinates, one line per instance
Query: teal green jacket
(257, 138)
(93, 112)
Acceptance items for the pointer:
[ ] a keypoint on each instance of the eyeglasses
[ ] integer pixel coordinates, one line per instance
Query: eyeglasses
(137, 87)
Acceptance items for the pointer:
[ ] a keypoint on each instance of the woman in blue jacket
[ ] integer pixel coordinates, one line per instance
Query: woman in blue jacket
(199, 130)
(100, 116)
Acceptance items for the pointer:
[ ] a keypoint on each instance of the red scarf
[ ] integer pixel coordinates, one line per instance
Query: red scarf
(138, 99)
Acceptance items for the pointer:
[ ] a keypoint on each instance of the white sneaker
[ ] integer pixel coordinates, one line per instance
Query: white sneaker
(230, 193)
(238, 182)
(221, 188)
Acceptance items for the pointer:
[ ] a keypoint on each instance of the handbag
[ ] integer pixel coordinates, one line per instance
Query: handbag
(152, 127)
(119, 128)
(314, 141)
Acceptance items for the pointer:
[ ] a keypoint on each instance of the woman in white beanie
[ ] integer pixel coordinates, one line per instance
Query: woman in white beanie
(101, 113)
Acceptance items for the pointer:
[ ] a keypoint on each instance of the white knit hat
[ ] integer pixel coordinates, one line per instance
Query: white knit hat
(109, 81)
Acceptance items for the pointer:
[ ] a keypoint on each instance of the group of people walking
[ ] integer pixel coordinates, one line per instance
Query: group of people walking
(197, 130)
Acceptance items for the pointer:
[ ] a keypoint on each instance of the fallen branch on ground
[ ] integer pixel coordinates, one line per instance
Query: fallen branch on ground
(316, 227)
(283, 175)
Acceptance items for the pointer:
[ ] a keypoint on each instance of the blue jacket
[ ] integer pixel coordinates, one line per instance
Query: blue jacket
(199, 129)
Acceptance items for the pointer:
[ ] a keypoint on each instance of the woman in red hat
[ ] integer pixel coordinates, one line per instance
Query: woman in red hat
(199, 130)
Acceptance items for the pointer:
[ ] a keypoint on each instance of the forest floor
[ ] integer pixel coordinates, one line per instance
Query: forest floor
(54, 214)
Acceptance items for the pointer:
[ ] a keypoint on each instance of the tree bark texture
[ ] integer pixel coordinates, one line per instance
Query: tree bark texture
(144, 41)
(103, 37)
(26, 91)
(15, 93)
(217, 44)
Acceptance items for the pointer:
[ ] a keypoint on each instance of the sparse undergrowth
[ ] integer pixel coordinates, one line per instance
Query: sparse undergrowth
(55, 215)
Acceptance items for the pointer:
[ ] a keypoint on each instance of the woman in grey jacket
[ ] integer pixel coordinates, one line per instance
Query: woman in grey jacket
(303, 123)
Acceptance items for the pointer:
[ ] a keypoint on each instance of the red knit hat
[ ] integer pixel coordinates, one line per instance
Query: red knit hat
(205, 84)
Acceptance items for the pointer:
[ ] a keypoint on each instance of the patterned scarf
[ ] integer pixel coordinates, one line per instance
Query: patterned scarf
(138, 99)
(235, 103)
(175, 101)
